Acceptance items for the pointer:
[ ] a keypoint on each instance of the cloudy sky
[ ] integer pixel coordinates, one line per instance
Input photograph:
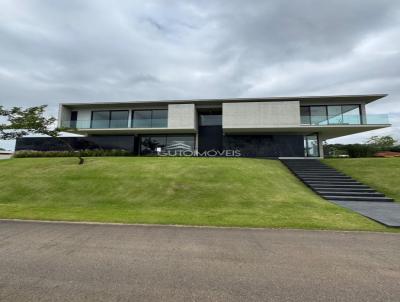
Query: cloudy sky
(67, 50)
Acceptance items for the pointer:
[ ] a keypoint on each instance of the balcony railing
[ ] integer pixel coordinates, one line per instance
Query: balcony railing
(369, 119)
(115, 124)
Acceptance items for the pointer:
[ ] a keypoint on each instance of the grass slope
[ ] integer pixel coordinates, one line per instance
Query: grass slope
(382, 174)
(195, 191)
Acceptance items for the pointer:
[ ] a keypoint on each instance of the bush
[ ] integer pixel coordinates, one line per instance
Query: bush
(361, 150)
(395, 148)
(84, 153)
(352, 150)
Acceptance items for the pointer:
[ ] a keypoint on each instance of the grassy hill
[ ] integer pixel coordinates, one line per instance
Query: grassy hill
(382, 174)
(194, 191)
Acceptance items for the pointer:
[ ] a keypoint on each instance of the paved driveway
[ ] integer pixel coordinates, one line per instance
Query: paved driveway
(76, 262)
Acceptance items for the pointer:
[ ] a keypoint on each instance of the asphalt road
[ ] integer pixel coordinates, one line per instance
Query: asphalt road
(77, 262)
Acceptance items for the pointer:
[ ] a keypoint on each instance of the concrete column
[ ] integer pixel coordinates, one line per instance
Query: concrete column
(320, 146)
(363, 114)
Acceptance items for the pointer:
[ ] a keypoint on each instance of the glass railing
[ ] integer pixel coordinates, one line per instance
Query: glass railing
(150, 123)
(105, 124)
(369, 119)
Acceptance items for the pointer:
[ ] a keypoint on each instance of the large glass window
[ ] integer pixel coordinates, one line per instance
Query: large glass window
(159, 118)
(152, 144)
(150, 118)
(100, 119)
(311, 145)
(180, 143)
(335, 115)
(210, 120)
(142, 119)
(167, 144)
(119, 119)
(351, 114)
(330, 115)
(318, 115)
(305, 115)
(110, 119)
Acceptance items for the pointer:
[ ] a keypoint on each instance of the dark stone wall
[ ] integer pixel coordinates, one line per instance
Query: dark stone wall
(210, 138)
(249, 145)
(120, 142)
(265, 145)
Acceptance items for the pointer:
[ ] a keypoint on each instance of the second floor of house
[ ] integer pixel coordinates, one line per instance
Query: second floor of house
(233, 115)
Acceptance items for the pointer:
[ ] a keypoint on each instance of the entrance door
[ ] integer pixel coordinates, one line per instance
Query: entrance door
(210, 131)
(311, 148)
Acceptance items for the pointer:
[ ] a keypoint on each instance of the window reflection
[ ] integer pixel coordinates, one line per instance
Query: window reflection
(311, 145)
(330, 115)
(161, 144)
(150, 118)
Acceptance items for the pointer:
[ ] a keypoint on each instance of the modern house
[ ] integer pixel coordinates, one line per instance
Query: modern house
(264, 127)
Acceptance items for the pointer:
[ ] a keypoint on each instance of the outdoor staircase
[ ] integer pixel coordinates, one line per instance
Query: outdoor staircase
(344, 190)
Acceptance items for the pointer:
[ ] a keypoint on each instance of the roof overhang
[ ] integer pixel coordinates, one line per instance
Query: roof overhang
(366, 98)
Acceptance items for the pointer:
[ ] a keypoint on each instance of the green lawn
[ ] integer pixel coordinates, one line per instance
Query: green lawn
(382, 174)
(194, 191)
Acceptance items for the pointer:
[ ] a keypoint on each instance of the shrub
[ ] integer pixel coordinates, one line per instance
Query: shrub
(395, 148)
(361, 150)
(84, 153)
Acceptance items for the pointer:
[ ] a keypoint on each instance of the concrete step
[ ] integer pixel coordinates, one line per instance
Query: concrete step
(345, 189)
(346, 186)
(308, 167)
(315, 171)
(356, 194)
(355, 198)
(324, 182)
(323, 176)
(319, 173)
(337, 178)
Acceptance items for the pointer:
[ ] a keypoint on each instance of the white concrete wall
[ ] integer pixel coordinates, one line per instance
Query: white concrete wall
(84, 117)
(261, 114)
(181, 116)
(64, 114)
(5, 156)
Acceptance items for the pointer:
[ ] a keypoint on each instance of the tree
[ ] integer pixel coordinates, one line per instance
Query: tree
(21, 122)
(381, 141)
(2, 149)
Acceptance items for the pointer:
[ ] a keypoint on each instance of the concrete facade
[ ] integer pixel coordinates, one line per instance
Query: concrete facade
(254, 124)
(181, 116)
(261, 114)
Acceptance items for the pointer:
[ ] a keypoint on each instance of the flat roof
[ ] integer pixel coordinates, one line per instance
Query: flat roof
(359, 97)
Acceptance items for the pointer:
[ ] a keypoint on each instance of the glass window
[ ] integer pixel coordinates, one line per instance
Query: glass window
(311, 145)
(174, 144)
(150, 119)
(152, 145)
(351, 114)
(100, 119)
(305, 115)
(142, 119)
(119, 119)
(180, 143)
(335, 115)
(318, 115)
(210, 120)
(159, 119)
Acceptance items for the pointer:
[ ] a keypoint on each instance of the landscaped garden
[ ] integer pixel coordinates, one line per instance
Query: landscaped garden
(382, 174)
(189, 191)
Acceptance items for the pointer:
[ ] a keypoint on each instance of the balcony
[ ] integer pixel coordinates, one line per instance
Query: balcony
(115, 124)
(323, 120)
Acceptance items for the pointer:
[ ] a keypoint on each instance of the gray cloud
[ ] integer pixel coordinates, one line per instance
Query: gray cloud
(54, 51)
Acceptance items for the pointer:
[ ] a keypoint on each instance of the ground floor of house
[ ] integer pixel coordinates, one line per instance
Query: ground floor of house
(208, 141)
